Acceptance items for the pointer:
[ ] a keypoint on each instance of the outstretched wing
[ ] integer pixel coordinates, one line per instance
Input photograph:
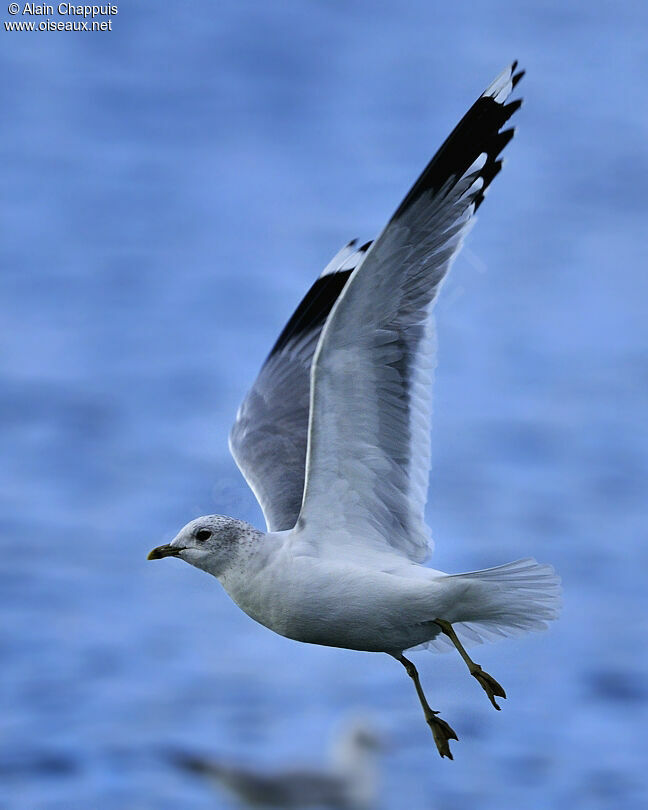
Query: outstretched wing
(369, 432)
(268, 439)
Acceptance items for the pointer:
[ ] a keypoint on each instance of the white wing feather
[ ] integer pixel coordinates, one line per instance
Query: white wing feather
(368, 445)
(268, 439)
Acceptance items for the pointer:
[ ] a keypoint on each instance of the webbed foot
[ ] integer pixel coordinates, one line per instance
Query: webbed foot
(492, 688)
(442, 733)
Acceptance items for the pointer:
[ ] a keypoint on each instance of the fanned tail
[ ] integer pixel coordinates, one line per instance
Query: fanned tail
(507, 600)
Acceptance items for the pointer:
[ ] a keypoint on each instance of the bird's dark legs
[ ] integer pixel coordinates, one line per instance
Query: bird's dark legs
(486, 681)
(440, 729)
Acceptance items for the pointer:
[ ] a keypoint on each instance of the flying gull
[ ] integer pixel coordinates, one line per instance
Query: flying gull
(334, 440)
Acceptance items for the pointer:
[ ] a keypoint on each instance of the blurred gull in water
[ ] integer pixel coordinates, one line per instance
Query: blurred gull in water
(334, 440)
(349, 781)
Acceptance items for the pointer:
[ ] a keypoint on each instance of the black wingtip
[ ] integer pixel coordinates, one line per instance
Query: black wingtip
(313, 309)
(490, 171)
(513, 106)
(365, 247)
(501, 139)
(517, 77)
(479, 131)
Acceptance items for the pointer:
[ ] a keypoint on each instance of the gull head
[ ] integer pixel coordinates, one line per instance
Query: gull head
(212, 543)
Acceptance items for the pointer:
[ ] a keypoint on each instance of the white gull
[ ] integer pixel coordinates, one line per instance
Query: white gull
(334, 440)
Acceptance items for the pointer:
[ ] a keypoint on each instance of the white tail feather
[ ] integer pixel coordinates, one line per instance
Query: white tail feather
(509, 600)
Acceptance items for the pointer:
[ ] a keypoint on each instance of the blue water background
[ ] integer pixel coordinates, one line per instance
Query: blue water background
(170, 190)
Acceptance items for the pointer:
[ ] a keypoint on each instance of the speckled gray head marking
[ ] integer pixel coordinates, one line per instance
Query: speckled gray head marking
(211, 542)
(226, 529)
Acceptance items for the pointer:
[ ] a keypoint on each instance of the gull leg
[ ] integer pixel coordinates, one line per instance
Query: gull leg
(441, 731)
(486, 681)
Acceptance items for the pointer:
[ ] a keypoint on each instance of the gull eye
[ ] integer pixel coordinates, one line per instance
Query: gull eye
(203, 534)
